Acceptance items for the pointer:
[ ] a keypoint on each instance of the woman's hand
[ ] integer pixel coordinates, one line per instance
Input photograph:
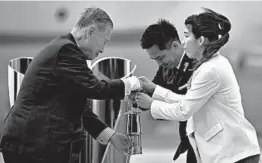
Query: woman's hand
(143, 100)
(147, 85)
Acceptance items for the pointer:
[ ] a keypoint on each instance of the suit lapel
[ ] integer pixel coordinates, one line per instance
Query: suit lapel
(185, 64)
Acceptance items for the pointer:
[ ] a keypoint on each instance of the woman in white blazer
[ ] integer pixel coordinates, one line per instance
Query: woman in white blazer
(217, 127)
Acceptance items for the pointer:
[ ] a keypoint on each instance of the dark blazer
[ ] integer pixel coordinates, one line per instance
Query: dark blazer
(172, 79)
(50, 110)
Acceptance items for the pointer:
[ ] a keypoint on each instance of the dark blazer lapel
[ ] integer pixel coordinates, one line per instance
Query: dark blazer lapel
(184, 67)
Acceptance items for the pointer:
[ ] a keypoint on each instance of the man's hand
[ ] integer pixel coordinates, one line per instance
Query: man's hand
(143, 100)
(121, 142)
(147, 85)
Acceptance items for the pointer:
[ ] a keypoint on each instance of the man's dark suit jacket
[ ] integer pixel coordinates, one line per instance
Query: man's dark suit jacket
(172, 79)
(50, 110)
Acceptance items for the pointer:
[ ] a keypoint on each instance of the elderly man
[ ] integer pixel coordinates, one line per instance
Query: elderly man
(45, 124)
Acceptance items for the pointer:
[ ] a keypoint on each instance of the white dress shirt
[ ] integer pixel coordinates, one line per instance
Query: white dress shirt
(217, 128)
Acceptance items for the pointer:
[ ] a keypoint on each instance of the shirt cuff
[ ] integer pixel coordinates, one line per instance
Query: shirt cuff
(132, 83)
(155, 109)
(160, 92)
(105, 135)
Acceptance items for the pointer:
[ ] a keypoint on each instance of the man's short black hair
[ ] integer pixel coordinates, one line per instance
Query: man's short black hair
(161, 34)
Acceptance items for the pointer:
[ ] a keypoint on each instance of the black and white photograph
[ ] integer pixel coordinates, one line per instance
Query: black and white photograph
(130, 81)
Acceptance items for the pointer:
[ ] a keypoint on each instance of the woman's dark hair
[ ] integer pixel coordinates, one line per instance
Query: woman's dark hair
(211, 25)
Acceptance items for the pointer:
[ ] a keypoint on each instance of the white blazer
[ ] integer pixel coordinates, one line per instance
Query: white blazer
(217, 128)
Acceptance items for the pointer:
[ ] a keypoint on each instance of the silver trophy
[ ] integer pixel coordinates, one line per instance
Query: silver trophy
(16, 71)
(109, 111)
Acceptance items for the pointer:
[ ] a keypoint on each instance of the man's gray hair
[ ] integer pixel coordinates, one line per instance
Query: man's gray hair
(94, 16)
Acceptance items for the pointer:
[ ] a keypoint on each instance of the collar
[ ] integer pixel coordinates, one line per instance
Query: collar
(71, 37)
(179, 64)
